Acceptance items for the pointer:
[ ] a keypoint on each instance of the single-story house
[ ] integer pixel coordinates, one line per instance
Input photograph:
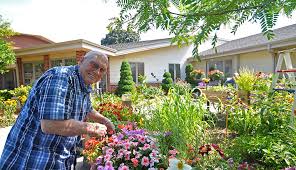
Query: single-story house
(255, 52)
(36, 54)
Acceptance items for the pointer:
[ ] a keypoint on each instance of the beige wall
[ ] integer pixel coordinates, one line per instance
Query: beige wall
(155, 61)
(52, 56)
(259, 61)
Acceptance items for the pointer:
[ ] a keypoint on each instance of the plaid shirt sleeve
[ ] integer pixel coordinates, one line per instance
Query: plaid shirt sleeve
(55, 97)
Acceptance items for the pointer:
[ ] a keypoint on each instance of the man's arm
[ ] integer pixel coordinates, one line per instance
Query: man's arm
(72, 127)
(97, 117)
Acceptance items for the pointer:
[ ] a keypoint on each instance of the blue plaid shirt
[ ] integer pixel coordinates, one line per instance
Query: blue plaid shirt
(59, 94)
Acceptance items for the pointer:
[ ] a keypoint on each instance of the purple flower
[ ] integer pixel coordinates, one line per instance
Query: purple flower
(168, 133)
(100, 167)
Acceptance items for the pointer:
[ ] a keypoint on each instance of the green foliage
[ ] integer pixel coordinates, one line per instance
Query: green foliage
(263, 128)
(194, 21)
(6, 94)
(177, 119)
(246, 79)
(188, 70)
(21, 91)
(7, 110)
(181, 87)
(167, 82)
(7, 55)
(126, 83)
(118, 35)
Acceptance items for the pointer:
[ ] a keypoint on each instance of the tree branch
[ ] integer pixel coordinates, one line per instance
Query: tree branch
(218, 13)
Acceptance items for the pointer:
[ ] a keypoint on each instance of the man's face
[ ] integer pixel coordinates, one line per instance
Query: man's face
(93, 69)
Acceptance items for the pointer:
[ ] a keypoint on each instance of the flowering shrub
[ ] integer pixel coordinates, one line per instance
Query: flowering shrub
(216, 75)
(198, 74)
(208, 156)
(128, 149)
(114, 111)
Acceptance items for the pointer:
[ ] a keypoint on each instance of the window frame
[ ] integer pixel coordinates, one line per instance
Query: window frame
(137, 70)
(63, 61)
(174, 76)
(33, 70)
(223, 66)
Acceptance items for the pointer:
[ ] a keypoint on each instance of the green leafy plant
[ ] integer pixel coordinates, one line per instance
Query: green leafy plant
(181, 118)
(126, 83)
(189, 78)
(246, 79)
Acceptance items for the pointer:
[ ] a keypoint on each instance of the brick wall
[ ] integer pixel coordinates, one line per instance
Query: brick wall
(79, 56)
(46, 62)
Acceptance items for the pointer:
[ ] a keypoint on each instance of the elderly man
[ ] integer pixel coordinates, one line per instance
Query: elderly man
(47, 129)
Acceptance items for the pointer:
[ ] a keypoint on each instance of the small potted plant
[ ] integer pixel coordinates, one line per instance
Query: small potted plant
(216, 76)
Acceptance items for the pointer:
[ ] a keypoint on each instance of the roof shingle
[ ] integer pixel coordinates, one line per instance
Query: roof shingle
(283, 33)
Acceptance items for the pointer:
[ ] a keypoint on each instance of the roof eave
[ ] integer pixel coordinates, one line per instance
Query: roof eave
(67, 45)
(144, 48)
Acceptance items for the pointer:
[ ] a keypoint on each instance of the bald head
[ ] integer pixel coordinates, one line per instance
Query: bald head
(95, 54)
(93, 66)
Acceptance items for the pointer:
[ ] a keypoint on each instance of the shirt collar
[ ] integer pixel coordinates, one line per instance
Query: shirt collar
(84, 87)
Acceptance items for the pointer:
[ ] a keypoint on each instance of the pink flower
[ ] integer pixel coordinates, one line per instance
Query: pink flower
(146, 146)
(108, 166)
(153, 146)
(145, 161)
(135, 162)
(127, 155)
(127, 145)
(124, 168)
(108, 163)
(109, 151)
(173, 152)
(142, 139)
(107, 157)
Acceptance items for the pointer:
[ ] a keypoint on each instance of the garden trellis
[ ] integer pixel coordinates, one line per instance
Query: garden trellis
(285, 56)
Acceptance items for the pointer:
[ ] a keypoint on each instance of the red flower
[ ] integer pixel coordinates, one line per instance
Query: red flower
(204, 149)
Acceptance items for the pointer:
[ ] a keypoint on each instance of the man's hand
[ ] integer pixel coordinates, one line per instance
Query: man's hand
(96, 129)
(110, 126)
(97, 117)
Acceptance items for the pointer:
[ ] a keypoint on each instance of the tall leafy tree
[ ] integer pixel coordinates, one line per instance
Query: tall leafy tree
(7, 55)
(117, 34)
(192, 21)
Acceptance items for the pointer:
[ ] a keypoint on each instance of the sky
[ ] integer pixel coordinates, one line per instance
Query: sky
(65, 20)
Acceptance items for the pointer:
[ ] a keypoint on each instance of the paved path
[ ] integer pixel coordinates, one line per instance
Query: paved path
(3, 135)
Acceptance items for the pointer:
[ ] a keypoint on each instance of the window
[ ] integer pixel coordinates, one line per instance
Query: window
(174, 69)
(224, 65)
(32, 71)
(8, 80)
(63, 62)
(137, 69)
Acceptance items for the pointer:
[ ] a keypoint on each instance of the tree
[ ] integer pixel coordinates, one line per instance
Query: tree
(7, 55)
(118, 35)
(192, 21)
(167, 82)
(126, 83)
(189, 78)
